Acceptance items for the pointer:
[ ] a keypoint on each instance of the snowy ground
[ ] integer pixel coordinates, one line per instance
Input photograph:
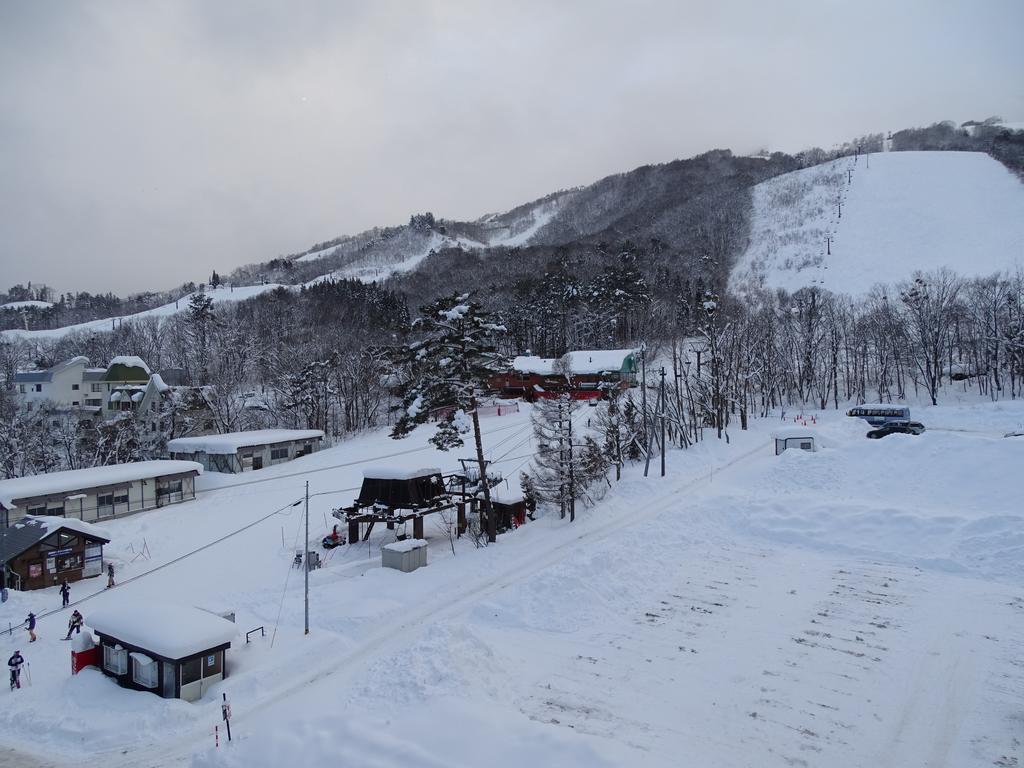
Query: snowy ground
(858, 606)
(901, 211)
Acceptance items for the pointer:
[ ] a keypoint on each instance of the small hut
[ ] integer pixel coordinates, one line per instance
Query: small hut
(175, 651)
(40, 552)
(510, 507)
(794, 437)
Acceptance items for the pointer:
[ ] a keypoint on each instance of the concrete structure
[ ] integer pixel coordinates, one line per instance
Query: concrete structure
(243, 451)
(98, 493)
(41, 552)
(405, 556)
(60, 384)
(793, 437)
(174, 651)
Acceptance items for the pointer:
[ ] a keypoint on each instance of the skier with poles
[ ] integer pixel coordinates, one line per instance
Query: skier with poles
(65, 593)
(30, 623)
(14, 664)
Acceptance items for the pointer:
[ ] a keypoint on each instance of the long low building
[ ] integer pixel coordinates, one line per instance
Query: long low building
(98, 493)
(243, 451)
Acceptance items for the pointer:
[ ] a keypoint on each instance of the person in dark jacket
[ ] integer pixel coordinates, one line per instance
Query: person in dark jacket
(14, 664)
(110, 575)
(30, 625)
(65, 593)
(74, 624)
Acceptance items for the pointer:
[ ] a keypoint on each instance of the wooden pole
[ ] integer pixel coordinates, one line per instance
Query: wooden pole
(305, 560)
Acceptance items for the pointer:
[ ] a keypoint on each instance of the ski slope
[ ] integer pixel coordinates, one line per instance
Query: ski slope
(219, 295)
(901, 212)
(856, 606)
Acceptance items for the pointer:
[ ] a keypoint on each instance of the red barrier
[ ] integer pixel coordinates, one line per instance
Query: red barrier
(82, 659)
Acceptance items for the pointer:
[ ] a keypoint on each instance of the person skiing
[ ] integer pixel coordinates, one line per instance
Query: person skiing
(14, 664)
(110, 575)
(65, 593)
(31, 626)
(74, 624)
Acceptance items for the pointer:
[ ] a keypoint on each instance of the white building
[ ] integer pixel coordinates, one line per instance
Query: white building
(793, 437)
(243, 451)
(98, 493)
(60, 384)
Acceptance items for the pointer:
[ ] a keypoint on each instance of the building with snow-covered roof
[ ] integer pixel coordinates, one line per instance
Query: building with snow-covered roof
(794, 437)
(40, 552)
(98, 493)
(581, 373)
(243, 451)
(175, 651)
(60, 384)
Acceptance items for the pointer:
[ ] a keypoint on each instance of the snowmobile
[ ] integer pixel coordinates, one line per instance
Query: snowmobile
(333, 539)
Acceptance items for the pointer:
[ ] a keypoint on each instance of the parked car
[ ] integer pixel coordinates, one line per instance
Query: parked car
(901, 427)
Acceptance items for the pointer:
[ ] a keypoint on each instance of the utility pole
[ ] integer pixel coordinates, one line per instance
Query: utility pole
(643, 388)
(663, 409)
(828, 245)
(305, 558)
(572, 475)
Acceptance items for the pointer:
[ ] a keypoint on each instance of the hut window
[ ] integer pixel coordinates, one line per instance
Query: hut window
(806, 445)
(105, 504)
(121, 498)
(37, 510)
(278, 453)
(69, 563)
(191, 670)
(115, 659)
(144, 670)
(55, 510)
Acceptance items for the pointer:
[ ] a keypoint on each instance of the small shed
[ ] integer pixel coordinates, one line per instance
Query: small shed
(794, 437)
(41, 552)
(243, 451)
(174, 651)
(405, 556)
(510, 507)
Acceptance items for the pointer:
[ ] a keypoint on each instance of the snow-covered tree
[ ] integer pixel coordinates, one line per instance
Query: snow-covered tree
(445, 372)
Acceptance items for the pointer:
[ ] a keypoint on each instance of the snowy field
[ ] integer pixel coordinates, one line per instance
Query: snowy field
(901, 212)
(857, 606)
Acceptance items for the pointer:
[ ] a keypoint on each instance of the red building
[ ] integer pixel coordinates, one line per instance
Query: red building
(583, 375)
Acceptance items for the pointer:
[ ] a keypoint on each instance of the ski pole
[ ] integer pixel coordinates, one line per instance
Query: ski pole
(28, 669)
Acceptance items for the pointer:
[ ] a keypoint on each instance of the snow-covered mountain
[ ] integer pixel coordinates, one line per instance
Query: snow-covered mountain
(853, 222)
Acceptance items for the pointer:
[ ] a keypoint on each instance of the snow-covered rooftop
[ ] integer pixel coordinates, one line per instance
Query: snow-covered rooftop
(74, 480)
(877, 406)
(168, 630)
(792, 433)
(52, 523)
(131, 361)
(230, 442)
(393, 473)
(588, 361)
(406, 545)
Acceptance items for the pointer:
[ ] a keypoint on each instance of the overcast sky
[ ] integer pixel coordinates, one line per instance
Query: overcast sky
(143, 144)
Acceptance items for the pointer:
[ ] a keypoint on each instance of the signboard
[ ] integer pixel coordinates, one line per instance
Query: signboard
(211, 660)
(35, 571)
(59, 552)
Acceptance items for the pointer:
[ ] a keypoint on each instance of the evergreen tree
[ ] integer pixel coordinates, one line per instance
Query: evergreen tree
(447, 369)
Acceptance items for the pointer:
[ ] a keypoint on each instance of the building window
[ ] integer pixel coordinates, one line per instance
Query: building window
(74, 402)
(55, 510)
(191, 671)
(115, 659)
(121, 497)
(74, 387)
(278, 453)
(96, 388)
(36, 510)
(144, 670)
(71, 562)
(21, 388)
(105, 504)
(39, 387)
(806, 446)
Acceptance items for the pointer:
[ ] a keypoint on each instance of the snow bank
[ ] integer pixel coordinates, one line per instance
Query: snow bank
(168, 630)
(74, 480)
(230, 442)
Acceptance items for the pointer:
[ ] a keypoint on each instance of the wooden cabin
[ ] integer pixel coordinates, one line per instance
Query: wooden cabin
(174, 651)
(42, 552)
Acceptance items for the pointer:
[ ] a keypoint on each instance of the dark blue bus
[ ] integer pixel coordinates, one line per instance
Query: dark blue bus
(878, 414)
